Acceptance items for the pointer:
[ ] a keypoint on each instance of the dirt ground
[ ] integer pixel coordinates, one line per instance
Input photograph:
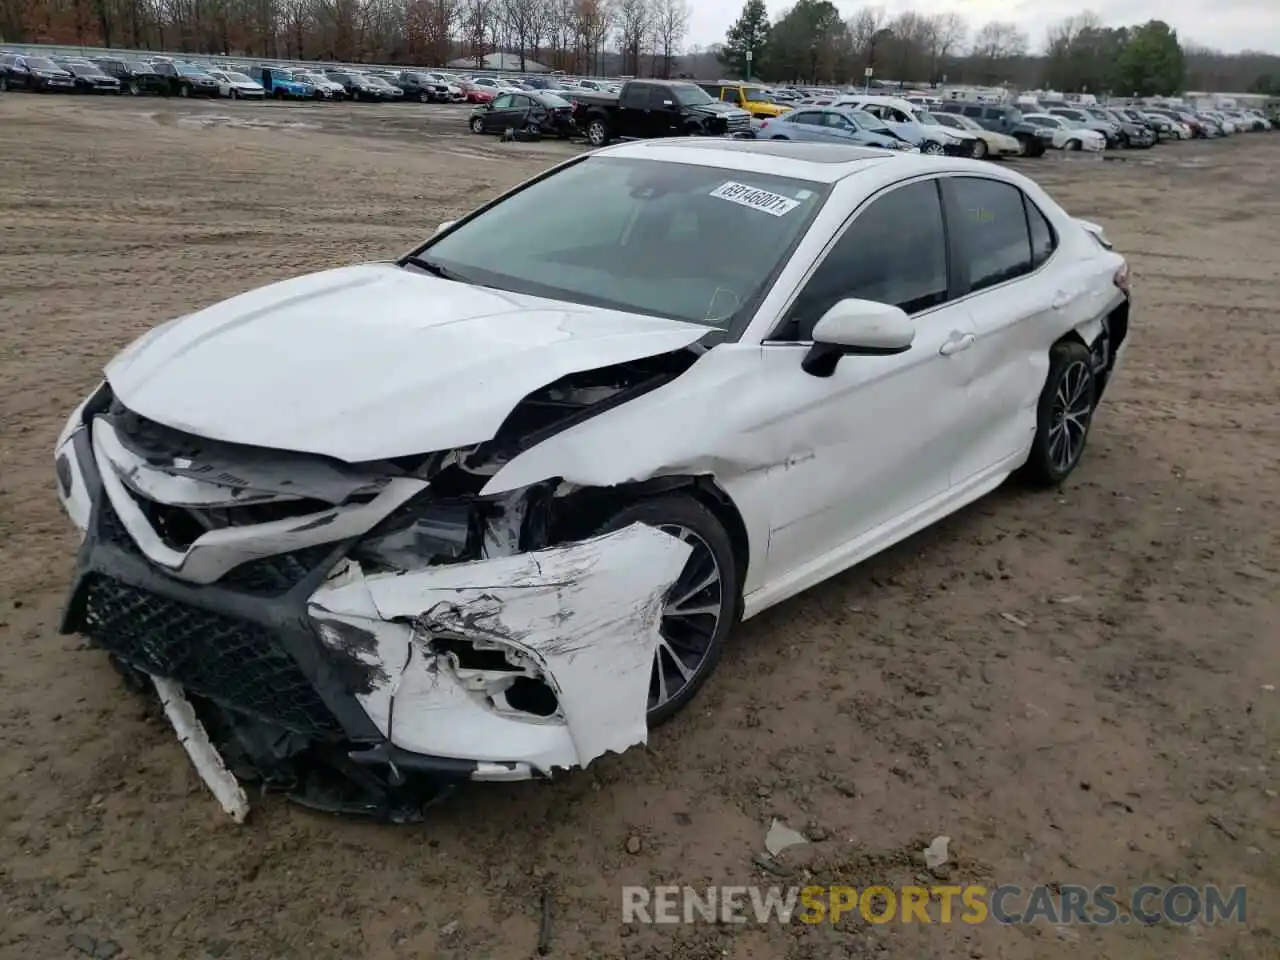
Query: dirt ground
(1075, 687)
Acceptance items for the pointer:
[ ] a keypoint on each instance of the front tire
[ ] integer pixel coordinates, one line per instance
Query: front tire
(932, 149)
(700, 608)
(1074, 145)
(1063, 415)
(980, 150)
(477, 125)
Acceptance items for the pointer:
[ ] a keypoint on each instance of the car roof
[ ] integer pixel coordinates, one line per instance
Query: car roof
(816, 162)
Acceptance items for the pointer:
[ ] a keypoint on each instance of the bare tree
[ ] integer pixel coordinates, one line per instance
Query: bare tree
(633, 19)
(477, 17)
(524, 20)
(670, 23)
(868, 28)
(996, 43)
(947, 34)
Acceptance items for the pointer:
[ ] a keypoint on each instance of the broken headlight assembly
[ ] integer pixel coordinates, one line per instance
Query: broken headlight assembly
(421, 533)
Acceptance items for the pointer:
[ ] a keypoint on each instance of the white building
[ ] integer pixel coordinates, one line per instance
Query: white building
(499, 61)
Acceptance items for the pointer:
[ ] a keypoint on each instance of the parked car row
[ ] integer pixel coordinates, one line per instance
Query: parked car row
(602, 111)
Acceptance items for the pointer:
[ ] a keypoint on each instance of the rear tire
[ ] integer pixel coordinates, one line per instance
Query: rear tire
(598, 132)
(1063, 415)
(691, 644)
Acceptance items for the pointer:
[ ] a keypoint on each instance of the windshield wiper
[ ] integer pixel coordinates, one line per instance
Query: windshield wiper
(435, 269)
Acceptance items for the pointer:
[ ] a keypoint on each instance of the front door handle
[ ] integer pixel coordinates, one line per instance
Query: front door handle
(957, 344)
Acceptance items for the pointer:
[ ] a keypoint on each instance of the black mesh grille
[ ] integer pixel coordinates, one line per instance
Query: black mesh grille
(236, 663)
(272, 576)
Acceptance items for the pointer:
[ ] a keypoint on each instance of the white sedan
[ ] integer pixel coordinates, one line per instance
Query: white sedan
(237, 86)
(994, 144)
(1068, 134)
(492, 509)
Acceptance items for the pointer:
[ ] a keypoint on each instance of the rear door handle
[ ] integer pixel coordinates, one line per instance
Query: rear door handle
(957, 344)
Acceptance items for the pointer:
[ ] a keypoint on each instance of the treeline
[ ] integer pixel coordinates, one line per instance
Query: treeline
(810, 42)
(573, 35)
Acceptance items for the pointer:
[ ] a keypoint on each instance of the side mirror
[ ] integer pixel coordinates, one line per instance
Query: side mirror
(861, 328)
(445, 225)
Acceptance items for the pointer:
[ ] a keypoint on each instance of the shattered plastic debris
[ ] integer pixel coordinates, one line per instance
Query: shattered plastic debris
(780, 836)
(935, 854)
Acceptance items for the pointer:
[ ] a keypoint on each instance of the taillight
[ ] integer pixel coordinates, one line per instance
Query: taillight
(1121, 278)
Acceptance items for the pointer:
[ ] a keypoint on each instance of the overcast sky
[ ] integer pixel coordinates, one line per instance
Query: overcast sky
(1230, 25)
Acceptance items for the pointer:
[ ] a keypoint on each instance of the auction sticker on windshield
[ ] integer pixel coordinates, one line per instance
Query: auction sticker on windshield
(773, 204)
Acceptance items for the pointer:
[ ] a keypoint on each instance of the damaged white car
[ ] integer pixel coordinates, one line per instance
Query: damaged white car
(490, 510)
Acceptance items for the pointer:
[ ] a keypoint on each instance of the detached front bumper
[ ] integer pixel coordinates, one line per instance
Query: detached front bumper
(496, 669)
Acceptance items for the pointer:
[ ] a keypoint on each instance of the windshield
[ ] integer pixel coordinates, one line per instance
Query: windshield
(551, 100)
(637, 235)
(237, 78)
(689, 95)
(925, 117)
(379, 82)
(190, 70)
(40, 63)
(759, 95)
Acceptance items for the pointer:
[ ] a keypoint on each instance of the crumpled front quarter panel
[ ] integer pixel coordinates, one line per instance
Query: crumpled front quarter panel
(587, 613)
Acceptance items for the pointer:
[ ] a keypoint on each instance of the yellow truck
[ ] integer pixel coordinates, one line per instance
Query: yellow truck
(752, 97)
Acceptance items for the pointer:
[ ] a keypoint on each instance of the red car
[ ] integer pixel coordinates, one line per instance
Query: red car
(476, 94)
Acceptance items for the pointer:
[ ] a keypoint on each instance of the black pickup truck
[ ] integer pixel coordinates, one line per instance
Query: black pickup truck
(654, 108)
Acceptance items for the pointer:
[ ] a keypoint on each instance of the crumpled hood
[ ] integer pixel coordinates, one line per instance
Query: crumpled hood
(371, 362)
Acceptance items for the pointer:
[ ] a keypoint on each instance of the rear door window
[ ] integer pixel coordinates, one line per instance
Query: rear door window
(989, 223)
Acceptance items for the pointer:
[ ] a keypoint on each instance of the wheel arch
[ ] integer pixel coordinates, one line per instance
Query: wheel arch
(583, 510)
